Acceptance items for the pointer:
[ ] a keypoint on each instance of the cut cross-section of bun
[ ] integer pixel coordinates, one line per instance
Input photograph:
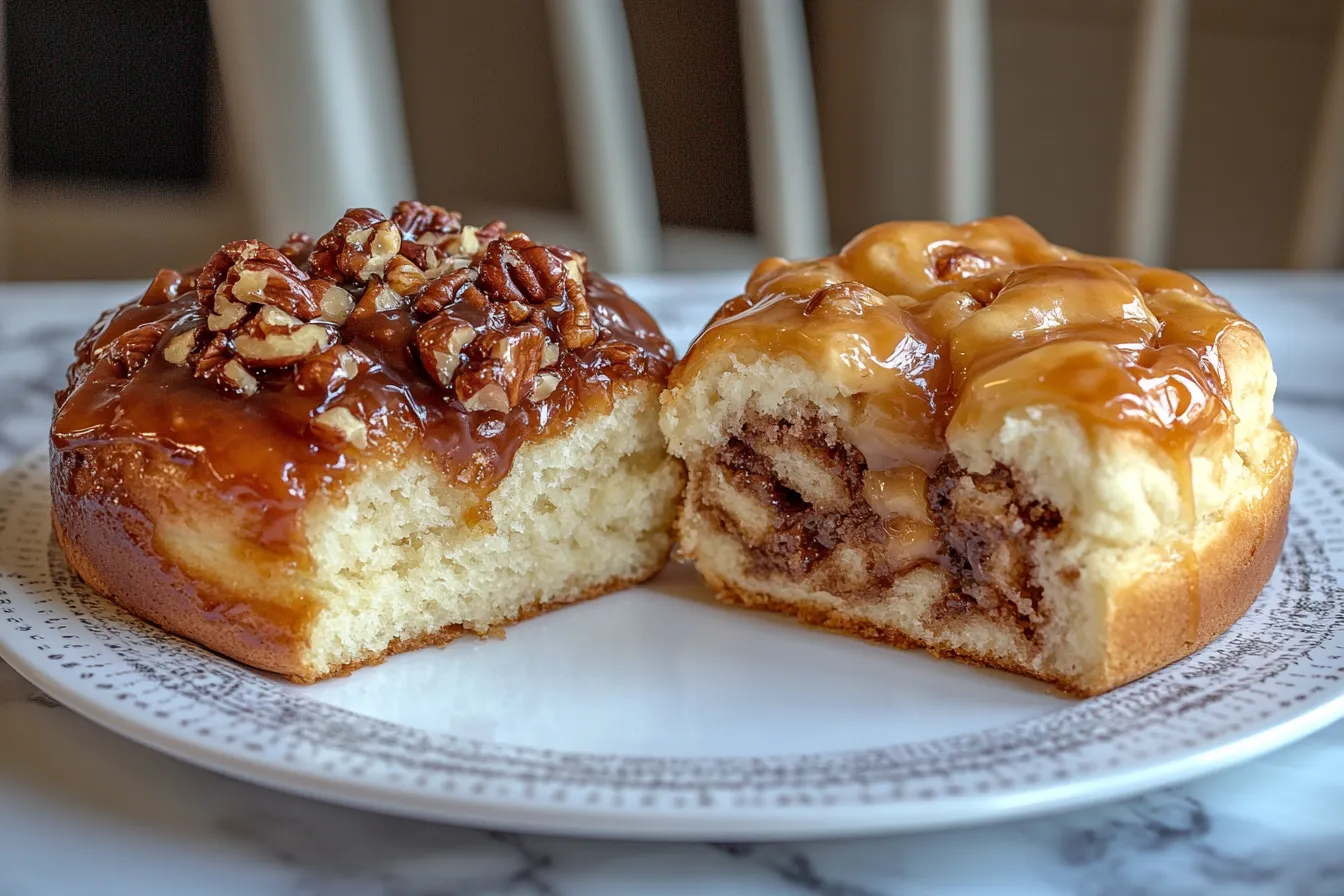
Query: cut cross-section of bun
(969, 439)
(312, 456)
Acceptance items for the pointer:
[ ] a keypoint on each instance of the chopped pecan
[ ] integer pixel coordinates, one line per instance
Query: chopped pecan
(550, 354)
(442, 291)
(576, 325)
(378, 297)
(404, 277)
(419, 254)
(337, 426)
(257, 282)
(330, 370)
(623, 355)
(446, 264)
(544, 384)
(518, 270)
(357, 248)
(481, 394)
(274, 338)
(472, 297)
(416, 218)
(440, 341)
(297, 247)
(226, 315)
(216, 364)
(178, 349)
(467, 244)
(218, 268)
(333, 302)
(238, 378)
(492, 231)
(382, 246)
(132, 349)
(498, 366)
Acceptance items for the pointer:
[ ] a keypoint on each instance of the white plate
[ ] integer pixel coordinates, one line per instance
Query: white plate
(658, 713)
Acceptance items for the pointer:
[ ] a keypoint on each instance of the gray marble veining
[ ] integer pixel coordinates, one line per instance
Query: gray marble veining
(83, 811)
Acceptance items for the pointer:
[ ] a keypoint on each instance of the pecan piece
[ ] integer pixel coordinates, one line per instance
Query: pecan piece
(492, 231)
(256, 282)
(383, 245)
(440, 292)
(334, 258)
(576, 325)
(337, 426)
(330, 370)
(440, 341)
(416, 218)
(376, 299)
(422, 256)
(550, 354)
(226, 316)
(297, 247)
(333, 302)
(544, 384)
(623, 356)
(274, 338)
(405, 279)
(179, 348)
(230, 255)
(480, 394)
(499, 365)
(131, 350)
(217, 365)
(518, 270)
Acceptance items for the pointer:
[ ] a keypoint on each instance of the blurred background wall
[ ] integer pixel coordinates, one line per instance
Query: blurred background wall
(121, 154)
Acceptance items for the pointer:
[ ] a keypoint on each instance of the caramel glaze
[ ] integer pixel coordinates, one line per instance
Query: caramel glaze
(256, 451)
(929, 326)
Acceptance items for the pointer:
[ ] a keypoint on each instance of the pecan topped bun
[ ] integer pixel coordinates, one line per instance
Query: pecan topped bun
(311, 455)
(970, 439)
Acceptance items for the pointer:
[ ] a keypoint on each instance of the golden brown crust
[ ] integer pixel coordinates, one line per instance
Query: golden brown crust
(113, 507)
(1149, 622)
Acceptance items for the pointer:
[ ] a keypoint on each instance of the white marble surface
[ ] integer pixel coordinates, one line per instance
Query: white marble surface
(85, 811)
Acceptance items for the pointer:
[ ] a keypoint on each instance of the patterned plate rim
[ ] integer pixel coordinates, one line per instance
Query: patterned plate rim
(1276, 676)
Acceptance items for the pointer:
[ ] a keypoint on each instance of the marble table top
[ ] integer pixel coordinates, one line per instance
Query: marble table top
(85, 811)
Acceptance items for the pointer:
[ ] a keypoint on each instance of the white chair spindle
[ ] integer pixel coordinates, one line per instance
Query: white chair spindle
(1153, 130)
(608, 148)
(789, 194)
(1319, 228)
(965, 131)
(315, 104)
